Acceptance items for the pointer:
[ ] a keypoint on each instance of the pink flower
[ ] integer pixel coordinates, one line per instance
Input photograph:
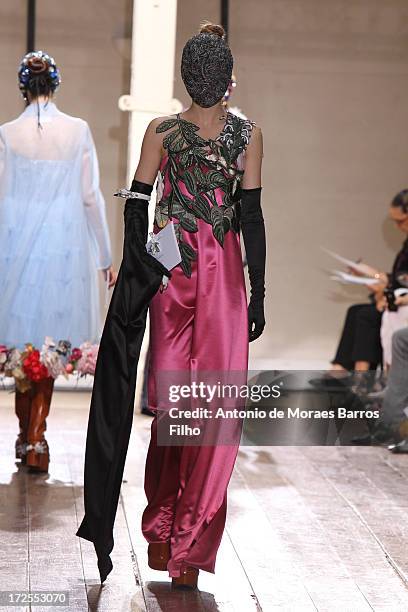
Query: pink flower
(87, 362)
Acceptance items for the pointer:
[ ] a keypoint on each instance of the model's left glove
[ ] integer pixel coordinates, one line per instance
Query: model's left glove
(253, 232)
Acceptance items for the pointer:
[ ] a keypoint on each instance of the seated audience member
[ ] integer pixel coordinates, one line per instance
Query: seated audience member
(360, 343)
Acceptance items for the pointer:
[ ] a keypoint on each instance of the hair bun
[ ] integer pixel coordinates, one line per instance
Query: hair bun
(37, 65)
(211, 28)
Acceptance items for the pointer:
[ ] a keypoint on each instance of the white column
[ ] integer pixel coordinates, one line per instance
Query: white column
(152, 71)
(151, 90)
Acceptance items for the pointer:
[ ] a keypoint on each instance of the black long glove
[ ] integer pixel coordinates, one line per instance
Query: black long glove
(253, 232)
(136, 227)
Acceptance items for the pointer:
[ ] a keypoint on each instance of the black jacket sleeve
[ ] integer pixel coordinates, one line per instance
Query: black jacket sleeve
(112, 401)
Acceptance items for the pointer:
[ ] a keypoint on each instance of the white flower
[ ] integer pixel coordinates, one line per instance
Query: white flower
(14, 360)
(218, 159)
(159, 187)
(48, 343)
(52, 361)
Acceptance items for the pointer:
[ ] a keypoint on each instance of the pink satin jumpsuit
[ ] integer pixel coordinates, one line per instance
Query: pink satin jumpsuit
(198, 323)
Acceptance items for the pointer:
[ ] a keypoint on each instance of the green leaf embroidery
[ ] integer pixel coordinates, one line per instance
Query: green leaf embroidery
(211, 196)
(166, 125)
(227, 212)
(178, 208)
(202, 208)
(190, 182)
(167, 140)
(217, 224)
(186, 158)
(226, 224)
(189, 250)
(188, 163)
(187, 256)
(177, 146)
(217, 178)
(182, 199)
(199, 175)
(188, 222)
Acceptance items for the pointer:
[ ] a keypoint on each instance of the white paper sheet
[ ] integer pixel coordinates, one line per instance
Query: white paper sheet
(166, 241)
(344, 277)
(359, 267)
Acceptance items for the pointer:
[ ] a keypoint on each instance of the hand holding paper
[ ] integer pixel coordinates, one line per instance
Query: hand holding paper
(358, 267)
(358, 273)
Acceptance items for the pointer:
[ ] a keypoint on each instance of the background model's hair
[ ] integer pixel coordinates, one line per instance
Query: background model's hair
(212, 28)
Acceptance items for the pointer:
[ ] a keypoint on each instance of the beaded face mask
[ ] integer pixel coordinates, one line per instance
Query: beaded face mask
(206, 68)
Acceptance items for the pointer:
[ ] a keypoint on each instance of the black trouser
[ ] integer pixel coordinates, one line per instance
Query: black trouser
(360, 339)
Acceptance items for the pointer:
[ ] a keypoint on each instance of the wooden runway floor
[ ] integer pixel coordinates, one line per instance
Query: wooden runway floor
(308, 528)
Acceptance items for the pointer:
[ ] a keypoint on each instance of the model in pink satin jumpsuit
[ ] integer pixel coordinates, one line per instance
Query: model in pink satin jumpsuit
(200, 322)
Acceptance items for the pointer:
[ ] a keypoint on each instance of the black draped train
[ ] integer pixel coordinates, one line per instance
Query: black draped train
(112, 401)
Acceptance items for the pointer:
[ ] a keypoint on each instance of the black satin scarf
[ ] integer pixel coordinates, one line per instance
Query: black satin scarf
(112, 401)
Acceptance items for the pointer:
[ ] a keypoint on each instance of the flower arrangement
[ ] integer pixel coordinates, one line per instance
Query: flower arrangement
(32, 365)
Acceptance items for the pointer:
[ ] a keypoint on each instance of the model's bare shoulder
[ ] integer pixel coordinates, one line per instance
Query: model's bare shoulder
(256, 132)
(255, 145)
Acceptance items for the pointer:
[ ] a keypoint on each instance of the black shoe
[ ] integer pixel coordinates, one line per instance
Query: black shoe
(363, 383)
(381, 434)
(400, 447)
(331, 383)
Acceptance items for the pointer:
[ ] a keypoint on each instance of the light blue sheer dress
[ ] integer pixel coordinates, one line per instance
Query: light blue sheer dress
(53, 230)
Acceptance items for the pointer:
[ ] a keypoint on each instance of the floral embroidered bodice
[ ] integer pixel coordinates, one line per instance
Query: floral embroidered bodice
(200, 179)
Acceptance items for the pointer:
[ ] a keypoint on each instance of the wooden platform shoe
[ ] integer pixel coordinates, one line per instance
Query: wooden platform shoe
(158, 555)
(38, 455)
(187, 580)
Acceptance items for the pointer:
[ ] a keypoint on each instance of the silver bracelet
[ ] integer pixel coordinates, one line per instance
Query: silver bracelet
(125, 193)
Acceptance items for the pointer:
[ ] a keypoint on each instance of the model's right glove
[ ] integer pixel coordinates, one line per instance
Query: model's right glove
(136, 227)
(253, 232)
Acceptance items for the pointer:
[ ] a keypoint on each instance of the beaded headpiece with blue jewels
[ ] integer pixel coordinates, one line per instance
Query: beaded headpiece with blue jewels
(38, 63)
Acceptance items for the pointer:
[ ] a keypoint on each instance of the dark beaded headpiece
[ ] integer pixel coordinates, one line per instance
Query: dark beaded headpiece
(206, 68)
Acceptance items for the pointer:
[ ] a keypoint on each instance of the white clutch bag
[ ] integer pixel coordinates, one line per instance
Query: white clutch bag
(163, 246)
